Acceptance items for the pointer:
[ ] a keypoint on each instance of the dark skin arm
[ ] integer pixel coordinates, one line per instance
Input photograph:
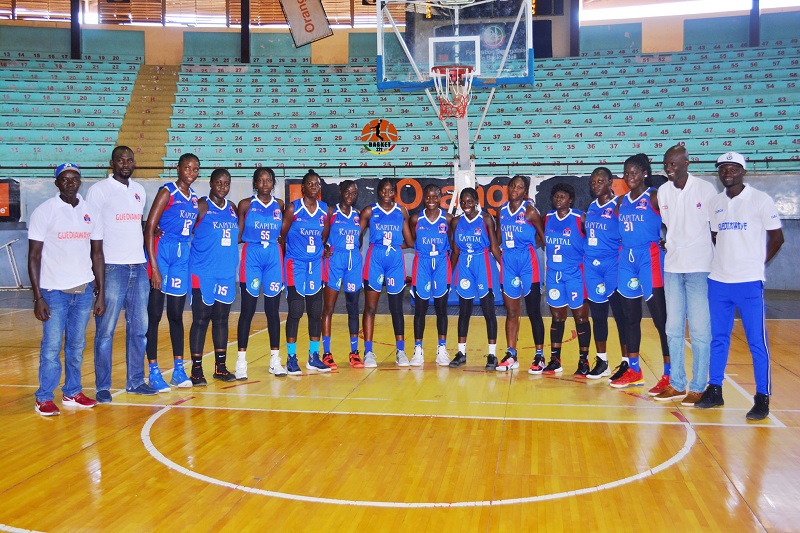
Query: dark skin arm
(326, 232)
(159, 204)
(288, 215)
(490, 227)
(244, 205)
(202, 209)
(774, 242)
(408, 241)
(535, 219)
(99, 270)
(40, 309)
(366, 214)
(412, 225)
(455, 252)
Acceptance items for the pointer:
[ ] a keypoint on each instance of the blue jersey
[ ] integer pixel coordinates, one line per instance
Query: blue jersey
(386, 227)
(345, 231)
(471, 236)
(214, 248)
(602, 230)
(515, 230)
(639, 221)
(563, 239)
(432, 239)
(262, 222)
(304, 240)
(179, 216)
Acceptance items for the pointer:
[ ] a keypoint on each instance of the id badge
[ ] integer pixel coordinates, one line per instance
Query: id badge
(387, 241)
(557, 258)
(226, 241)
(185, 231)
(349, 246)
(310, 249)
(509, 244)
(592, 241)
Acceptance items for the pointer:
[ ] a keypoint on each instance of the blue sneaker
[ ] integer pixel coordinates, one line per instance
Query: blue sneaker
(180, 379)
(314, 363)
(292, 368)
(157, 380)
(143, 390)
(103, 396)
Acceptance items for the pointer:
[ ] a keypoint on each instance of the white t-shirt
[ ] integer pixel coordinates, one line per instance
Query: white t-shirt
(741, 224)
(65, 232)
(121, 210)
(685, 213)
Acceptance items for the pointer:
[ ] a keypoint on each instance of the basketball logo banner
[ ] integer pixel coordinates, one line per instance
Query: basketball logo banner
(379, 136)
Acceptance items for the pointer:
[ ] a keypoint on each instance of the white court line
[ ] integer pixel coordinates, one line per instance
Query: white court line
(691, 438)
(11, 312)
(12, 529)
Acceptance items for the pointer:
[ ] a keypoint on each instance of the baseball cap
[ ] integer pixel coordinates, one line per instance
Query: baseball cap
(731, 157)
(67, 166)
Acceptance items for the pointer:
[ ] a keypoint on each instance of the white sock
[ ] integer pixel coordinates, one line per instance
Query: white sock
(603, 356)
(492, 349)
(626, 359)
(242, 355)
(462, 347)
(275, 353)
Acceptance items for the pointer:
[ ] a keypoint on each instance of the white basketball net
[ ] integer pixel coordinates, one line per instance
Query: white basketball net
(453, 85)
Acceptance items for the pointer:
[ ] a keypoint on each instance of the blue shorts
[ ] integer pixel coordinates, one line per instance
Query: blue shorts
(473, 278)
(343, 270)
(219, 288)
(261, 268)
(640, 270)
(519, 271)
(172, 258)
(601, 277)
(565, 287)
(304, 276)
(385, 265)
(430, 276)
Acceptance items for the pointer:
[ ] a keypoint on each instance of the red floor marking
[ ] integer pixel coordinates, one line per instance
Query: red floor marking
(581, 381)
(184, 400)
(680, 416)
(241, 384)
(640, 396)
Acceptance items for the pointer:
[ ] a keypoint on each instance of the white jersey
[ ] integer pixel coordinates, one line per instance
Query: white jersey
(120, 209)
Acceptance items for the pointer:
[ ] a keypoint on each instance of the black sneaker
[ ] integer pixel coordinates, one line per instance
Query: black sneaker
(600, 369)
(583, 368)
(198, 379)
(621, 369)
(712, 397)
(491, 362)
(553, 367)
(760, 409)
(459, 360)
(221, 373)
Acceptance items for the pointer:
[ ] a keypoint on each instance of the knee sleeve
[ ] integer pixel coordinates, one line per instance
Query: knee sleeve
(246, 318)
(175, 305)
(420, 311)
(219, 326)
(440, 305)
(487, 306)
(584, 335)
(657, 305)
(464, 314)
(599, 314)
(556, 332)
(632, 309)
(351, 302)
(533, 306)
(271, 307)
(314, 311)
(296, 304)
(155, 308)
(201, 316)
(396, 310)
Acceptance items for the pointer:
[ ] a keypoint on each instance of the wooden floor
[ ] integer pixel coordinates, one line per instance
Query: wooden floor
(391, 449)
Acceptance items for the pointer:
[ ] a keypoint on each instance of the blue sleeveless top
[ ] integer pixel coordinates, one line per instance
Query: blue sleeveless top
(304, 240)
(262, 222)
(602, 230)
(563, 240)
(639, 222)
(432, 240)
(179, 216)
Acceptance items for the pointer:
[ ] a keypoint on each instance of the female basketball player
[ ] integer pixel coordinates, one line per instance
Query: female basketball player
(166, 238)
(474, 244)
(212, 262)
(384, 265)
(261, 268)
(600, 266)
(431, 273)
(641, 271)
(520, 224)
(301, 233)
(564, 242)
(341, 270)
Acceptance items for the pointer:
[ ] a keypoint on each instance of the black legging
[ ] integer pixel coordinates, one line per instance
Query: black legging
(155, 308)
(217, 314)
(421, 310)
(533, 306)
(599, 313)
(249, 303)
(465, 313)
(396, 310)
(632, 309)
(351, 302)
(313, 308)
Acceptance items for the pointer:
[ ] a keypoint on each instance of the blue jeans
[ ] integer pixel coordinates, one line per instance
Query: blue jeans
(127, 287)
(69, 315)
(687, 297)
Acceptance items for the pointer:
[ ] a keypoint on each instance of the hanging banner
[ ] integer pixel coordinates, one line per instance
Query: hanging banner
(307, 21)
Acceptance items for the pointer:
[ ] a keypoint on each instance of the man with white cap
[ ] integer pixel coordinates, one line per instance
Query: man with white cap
(65, 265)
(747, 234)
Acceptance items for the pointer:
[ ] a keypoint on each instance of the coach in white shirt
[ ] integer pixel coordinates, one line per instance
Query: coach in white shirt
(683, 201)
(120, 203)
(748, 234)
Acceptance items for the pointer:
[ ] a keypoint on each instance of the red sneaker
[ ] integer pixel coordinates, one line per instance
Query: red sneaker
(47, 408)
(630, 378)
(327, 360)
(79, 400)
(355, 360)
(660, 387)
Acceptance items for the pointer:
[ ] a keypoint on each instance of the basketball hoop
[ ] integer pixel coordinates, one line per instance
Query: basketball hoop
(453, 84)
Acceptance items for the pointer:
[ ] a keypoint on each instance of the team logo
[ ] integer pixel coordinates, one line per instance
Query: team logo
(87, 218)
(601, 288)
(554, 294)
(596, 262)
(566, 233)
(232, 212)
(493, 36)
(607, 213)
(516, 282)
(642, 204)
(633, 283)
(355, 220)
(699, 205)
(138, 198)
(464, 284)
(428, 286)
(276, 214)
(380, 279)
(478, 231)
(379, 136)
(322, 221)
(520, 218)
(442, 228)
(338, 284)
(255, 284)
(194, 202)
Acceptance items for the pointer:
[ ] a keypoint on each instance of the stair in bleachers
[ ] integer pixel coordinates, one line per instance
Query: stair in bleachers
(144, 129)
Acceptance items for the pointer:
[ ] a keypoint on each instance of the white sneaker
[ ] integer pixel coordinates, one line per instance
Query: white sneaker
(442, 357)
(275, 366)
(400, 359)
(241, 370)
(419, 356)
(370, 361)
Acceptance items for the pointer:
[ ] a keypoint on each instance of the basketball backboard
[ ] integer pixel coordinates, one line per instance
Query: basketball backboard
(494, 37)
